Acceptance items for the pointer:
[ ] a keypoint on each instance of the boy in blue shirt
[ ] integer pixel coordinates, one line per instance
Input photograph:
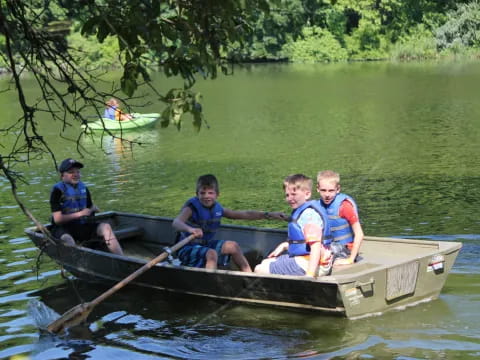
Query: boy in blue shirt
(113, 112)
(201, 215)
(72, 205)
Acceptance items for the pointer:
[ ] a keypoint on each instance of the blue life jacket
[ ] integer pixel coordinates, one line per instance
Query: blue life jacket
(341, 230)
(74, 199)
(296, 240)
(207, 219)
(109, 112)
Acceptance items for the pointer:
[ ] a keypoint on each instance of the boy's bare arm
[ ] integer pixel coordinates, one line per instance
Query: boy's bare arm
(315, 255)
(253, 215)
(279, 250)
(60, 218)
(180, 223)
(357, 240)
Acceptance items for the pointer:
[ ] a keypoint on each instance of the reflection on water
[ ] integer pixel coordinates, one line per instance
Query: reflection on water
(181, 326)
(401, 135)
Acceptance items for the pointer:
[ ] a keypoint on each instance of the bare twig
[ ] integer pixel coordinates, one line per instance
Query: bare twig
(11, 178)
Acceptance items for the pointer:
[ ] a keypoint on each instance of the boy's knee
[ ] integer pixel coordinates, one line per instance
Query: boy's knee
(67, 239)
(211, 255)
(104, 229)
(263, 268)
(230, 248)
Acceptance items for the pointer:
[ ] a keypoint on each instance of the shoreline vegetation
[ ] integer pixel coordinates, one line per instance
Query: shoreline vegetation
(320, 32)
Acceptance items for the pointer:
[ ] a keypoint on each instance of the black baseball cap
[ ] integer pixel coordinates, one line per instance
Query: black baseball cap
(67, 164)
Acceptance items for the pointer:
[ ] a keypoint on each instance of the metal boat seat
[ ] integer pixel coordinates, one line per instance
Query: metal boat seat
(129, 233)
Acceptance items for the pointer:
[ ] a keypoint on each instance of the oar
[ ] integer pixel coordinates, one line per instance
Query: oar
(79, 313)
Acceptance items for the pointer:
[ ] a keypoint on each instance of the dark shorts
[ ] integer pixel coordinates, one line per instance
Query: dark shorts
(286, 265)
(194, 254)
(81, 233)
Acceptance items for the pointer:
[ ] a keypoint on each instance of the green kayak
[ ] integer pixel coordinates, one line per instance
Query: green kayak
(139, 120)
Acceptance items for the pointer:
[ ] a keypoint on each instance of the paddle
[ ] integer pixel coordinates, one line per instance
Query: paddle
(79, 313)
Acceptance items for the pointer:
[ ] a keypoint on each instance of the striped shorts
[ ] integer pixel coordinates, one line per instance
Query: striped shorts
(194, 254)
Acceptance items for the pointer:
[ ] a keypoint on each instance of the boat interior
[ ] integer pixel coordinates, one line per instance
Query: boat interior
(146, 237)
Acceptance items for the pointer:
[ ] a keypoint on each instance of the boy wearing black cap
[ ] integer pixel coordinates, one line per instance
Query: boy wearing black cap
(71, 205)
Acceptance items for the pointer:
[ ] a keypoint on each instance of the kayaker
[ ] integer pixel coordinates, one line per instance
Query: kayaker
(113, 112)
(347, 232)
(307, 247)
(201, 215)
(72, 208)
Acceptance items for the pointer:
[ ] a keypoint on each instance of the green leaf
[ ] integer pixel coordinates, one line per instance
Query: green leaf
(103, 31)
(90, 26)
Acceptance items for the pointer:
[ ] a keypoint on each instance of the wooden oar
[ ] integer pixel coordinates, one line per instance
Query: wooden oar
(79, 313)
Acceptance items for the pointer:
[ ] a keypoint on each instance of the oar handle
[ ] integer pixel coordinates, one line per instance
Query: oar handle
(140, 271)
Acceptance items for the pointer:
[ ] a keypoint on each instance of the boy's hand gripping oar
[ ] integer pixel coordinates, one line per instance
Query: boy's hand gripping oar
(79, 313)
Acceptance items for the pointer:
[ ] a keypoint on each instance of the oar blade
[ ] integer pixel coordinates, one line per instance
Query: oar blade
(72, 317)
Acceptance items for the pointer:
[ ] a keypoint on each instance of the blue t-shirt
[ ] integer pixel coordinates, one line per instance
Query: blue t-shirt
(110, 112)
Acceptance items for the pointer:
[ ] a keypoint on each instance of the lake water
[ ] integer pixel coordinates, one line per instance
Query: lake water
(404, 138)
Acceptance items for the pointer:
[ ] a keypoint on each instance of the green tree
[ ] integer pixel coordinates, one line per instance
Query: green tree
(282, 24)
(368, 29)
(462, 28)
(419, 43)
(317, 45)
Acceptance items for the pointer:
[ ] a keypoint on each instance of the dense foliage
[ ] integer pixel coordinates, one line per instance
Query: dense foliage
(198, 37)
(333, 30)
(462, 28)
(294, 30)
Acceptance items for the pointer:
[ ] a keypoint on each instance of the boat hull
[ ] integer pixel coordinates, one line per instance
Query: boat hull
(392, 273)
(138, 121)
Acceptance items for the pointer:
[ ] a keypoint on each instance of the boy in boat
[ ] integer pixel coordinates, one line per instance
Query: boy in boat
(347, 233)
(201, 215)
(113, 112)
(308, 235)
(71, 206)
